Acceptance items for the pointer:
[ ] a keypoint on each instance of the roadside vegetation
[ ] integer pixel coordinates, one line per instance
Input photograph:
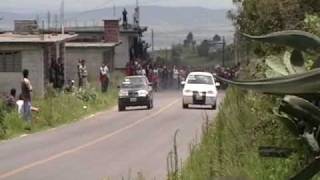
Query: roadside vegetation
(58, 108)
(230, 148)
(247, 120)
(197, 54)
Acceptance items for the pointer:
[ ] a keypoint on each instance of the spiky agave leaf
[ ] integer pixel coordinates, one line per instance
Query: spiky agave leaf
(303, 110)
(269, 73)
(289, 123)
(299, 40)
(275, 63)
(305, 83)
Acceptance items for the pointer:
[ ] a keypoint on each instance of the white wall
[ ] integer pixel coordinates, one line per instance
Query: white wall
(94, 58)
(32, 59)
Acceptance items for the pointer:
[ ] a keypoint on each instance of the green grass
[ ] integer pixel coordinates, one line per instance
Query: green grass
(230, 148)
(61, 108)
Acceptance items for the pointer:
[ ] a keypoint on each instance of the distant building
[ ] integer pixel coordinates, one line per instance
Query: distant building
(129, 37)
(96, 47)
(32, 52)
(26, 27)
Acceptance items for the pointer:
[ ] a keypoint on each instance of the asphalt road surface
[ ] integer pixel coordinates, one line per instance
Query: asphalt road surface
(108, 145)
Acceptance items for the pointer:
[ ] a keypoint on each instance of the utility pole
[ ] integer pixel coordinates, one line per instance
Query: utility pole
(223, 50)
(56, 22)
(152, 40)
(49, 20)
(62, 17)
(38, 19)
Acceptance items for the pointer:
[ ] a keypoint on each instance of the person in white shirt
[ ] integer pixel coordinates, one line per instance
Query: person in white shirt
(104, 77)
(176, 76)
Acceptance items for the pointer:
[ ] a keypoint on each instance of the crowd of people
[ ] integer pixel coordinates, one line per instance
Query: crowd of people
(166, 76)
(162, 76)
(227, 72)
(23, 102)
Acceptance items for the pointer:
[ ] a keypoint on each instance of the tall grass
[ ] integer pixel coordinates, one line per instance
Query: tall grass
(230, 148)
(59, 108)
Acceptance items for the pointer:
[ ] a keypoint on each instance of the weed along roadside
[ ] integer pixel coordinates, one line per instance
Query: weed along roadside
(266, 128)
(58, 108)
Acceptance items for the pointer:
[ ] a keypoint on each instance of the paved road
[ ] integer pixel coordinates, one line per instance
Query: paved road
(107, 145)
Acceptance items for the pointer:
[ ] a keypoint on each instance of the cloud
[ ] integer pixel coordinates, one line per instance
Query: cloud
(83, 5)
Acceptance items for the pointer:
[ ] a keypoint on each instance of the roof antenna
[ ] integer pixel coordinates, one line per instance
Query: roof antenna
(62, 16)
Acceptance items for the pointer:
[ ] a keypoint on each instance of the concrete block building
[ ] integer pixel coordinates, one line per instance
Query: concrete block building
(32, 52)
(94, 53)
(125, 38)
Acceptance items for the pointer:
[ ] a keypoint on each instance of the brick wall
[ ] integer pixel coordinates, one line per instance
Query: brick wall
(112, 30)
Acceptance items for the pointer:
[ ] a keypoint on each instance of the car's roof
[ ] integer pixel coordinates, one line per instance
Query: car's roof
(201, 73)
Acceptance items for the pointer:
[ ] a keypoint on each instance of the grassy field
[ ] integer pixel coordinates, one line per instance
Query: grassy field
(60, 108)
(230, 147)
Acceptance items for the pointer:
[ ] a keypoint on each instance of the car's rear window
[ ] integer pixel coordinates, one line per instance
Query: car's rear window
(200, 79)
(134, 83)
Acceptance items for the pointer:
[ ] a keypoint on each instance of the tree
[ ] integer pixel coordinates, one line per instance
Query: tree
(190, 37)
(217, 38)
(203, 49)
(176, 51)
(257, 17)
(188, 42)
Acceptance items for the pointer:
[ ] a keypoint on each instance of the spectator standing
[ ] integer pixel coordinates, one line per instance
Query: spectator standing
(176, 77)
(78, 72)
(125, 18)
(83, 75)
(26, 89)
(104, 77)
(60, 73)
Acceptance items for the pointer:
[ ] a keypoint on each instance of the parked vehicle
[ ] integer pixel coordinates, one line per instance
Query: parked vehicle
(200, 88)
(135, 91)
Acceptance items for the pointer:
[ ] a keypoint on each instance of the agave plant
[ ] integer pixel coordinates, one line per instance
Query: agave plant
(287, 76)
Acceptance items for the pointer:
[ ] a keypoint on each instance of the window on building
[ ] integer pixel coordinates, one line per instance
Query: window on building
(10, 61)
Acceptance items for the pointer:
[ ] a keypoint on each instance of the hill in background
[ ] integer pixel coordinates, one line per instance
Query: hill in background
(171, 24)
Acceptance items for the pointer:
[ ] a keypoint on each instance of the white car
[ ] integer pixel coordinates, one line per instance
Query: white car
(200, 88)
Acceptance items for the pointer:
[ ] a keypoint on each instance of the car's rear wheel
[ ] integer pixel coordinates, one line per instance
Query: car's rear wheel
(121, 107)
(214, 107)
(150, 105)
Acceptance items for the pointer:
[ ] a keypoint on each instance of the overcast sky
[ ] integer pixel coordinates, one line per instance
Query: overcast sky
(84, 5)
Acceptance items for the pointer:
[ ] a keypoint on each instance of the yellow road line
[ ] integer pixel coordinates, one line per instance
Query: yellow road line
(91, 143)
